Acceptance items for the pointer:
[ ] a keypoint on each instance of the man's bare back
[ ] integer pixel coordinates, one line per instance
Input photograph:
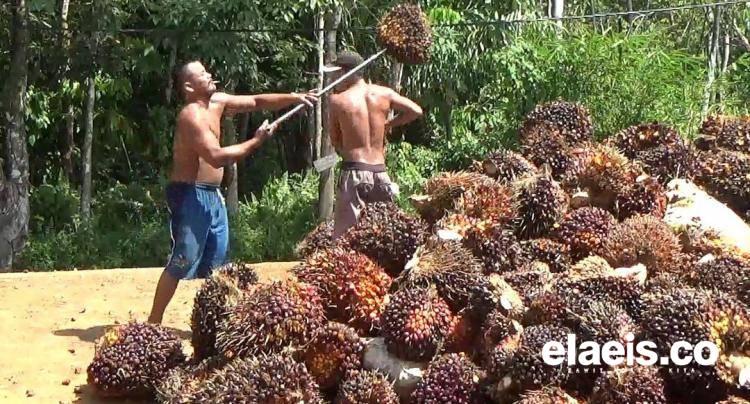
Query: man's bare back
(360, 120)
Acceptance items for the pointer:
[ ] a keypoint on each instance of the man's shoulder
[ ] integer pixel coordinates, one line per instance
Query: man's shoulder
(190, 114)
(380, 89)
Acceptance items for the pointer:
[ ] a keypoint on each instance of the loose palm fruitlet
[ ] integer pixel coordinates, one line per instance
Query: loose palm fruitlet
(638, 384)
(415, 323)
(334, 350)
(273, 317)
(387, 234)
(450, 378)
(129, 360)
(405, 33)
(352, 286)
(366, 387)
(572, 119)
(217, 294)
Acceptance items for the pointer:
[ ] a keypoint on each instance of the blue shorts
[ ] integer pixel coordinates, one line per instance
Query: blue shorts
(199, 229)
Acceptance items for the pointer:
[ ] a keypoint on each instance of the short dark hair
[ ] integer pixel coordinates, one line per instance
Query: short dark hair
(180, 75)
(348, 60)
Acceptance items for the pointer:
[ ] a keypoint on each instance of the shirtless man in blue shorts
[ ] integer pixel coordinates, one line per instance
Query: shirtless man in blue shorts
(198, 215)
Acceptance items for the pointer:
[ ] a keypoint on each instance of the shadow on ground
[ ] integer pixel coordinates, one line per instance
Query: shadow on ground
(91, 334)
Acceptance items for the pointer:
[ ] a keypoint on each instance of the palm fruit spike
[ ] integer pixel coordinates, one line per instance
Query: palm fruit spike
(406, 34)
(544, 144)
(507, 166)
(271, 318)
(725, 273)
(497, 329)
(547, 395)
(449, 266)
(526, 369)
(352, 287)
(321, 237)
(334, 350)
(450, 378)
(542, 204)
(643, 240)
(725, 175)
(603, 321)
(182, 384)
(621, 290)
(387, 235)
(638, 138)
(220, 292)
(489, 202)
(530, 282)
(555, 255)
(131, 359)
(572, 119)
(442, 191)
(584, 230)
(639, 384)
(694, 316)
(366, 387)
(646, 196)
(416, 323)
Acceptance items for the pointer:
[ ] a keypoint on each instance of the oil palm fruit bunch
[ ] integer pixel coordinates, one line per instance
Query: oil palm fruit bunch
(404, 31)
(728, 273)
(441, 192)
(728, 132)
(555, 255)
(334, 350)
(183, 384)
(531, 281)
(636, 384)
(591, 266)
(497, 329)
(387, 235)
(646, 196)
(544, 143)
(264, 378)
(526, 369)
(352, 287)
(489, 202)
(726, 176)
(366, 387)
(217, 294)
(570, 118)
(584, 230)
(321, 237)
(603, 321)
(547, 395)
(642, 137)
(695, 315)
(643, 239)
(498, 248)
(416, 322)
(624, 291)
(130, 359)
(542, 204)
(669, 161)
(450, 378)
(602, 172)
(451, 268)
(273, 317)
(506, 166)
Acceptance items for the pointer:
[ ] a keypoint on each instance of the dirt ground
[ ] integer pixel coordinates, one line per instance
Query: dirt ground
(51, 320)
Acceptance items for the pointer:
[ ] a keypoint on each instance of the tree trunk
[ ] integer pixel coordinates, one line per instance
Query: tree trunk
(14, 177)
(233, 201)
(88, 140)
(69, 138)
(242, 164)
(326, 186)
(558, 7)
(713, 58)
(170, 76)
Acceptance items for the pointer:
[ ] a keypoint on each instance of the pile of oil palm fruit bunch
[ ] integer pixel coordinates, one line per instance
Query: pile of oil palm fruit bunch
(564, 236)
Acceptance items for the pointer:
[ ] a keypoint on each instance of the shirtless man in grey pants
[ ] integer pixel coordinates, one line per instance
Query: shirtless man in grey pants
(359, 123)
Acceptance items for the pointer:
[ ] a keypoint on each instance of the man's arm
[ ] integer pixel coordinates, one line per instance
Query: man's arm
(207, 145)
(409, 110)
(262, 102)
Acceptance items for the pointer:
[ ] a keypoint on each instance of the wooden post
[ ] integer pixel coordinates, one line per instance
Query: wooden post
(327, 180)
